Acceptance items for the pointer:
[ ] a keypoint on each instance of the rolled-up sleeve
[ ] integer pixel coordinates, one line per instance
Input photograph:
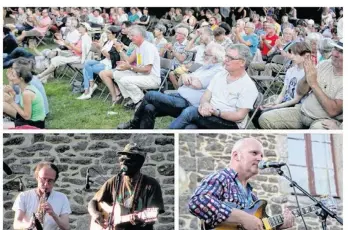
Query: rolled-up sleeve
(206, 202)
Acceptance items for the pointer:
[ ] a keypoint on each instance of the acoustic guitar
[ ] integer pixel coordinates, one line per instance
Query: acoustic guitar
(147, 215)
(258, 209)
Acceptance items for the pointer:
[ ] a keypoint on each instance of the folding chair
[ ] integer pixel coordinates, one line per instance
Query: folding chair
(166, 65)
(77, 68)
(258, 102)
(265, 83)
(194, 67)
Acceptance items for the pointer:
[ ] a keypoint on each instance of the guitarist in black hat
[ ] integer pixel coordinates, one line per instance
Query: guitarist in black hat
(129, 200)
(220, 199)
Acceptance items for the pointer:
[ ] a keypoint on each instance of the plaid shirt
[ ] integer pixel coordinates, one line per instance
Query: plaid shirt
(220, 192)
(180, 48)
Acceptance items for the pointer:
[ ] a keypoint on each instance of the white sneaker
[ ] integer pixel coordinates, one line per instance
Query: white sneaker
(92, 89)
(84, 97)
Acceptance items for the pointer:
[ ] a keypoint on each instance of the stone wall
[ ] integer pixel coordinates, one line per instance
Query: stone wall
(73, 154)
(202, 154)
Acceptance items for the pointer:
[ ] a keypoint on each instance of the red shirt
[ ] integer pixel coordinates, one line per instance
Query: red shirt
(270, 40)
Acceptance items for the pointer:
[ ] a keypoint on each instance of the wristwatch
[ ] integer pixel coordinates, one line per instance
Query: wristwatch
(219, 112)
(132, 68)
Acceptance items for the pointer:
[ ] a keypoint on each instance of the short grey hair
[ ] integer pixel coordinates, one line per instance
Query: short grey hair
(243, 52)
(325, 45)
(207, 31)
(217, 50)
(241, 21)
(250, 24)
(288, 29)
(315, 36)
(138, 30)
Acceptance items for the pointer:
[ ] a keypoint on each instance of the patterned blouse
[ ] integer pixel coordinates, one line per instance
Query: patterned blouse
(219, 193)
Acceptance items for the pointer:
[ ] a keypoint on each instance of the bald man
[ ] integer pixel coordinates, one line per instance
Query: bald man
(231, 185)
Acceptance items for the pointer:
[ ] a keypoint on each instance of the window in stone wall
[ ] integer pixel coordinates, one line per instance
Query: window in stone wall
(311, 160)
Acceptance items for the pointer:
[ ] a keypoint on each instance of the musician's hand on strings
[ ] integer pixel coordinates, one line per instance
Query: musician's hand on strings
(289, 219)
(136, 220)
(251, 222)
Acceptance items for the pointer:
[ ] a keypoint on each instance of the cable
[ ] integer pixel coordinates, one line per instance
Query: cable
(105, 179)
(298, 204)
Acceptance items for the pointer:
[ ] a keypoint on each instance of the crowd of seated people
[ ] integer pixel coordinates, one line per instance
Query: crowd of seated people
(229, 46)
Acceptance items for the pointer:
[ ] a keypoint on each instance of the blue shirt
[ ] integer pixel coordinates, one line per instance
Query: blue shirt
(133, 18)
(219, 193)
(204, 74)
(254, 40)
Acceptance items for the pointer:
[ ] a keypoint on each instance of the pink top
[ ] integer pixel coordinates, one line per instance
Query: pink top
(45, 22)
(78, 44)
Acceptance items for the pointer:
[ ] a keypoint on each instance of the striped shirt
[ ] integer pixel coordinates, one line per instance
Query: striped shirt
(219, 193)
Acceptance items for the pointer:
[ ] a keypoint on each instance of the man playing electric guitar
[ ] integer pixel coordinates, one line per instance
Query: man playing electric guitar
(128, 200)
(212, 200)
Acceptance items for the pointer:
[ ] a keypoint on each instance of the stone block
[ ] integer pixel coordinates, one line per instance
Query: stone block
(166, 170)
(14, 141)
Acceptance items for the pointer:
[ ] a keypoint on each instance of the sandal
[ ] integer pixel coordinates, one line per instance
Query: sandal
(118, 100)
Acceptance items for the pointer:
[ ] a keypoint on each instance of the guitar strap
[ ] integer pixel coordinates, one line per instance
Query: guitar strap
(115, 191)
(137, 193)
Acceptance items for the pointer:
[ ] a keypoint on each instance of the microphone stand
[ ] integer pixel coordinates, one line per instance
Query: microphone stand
(20, 183)
(324, 210)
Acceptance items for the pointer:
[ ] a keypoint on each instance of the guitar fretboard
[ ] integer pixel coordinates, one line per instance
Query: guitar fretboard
(278, 220)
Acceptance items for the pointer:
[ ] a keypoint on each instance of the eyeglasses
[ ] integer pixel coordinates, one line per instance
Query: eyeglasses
(230, 58)
(180, 33)
(207, 55)
(338, 50)
(47, 180)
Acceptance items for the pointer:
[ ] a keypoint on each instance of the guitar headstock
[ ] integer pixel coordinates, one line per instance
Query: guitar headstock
(148, 215)
(330, 203)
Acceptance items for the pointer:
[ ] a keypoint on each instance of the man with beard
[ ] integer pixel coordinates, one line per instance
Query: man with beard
(127, 193)
(192, 87)
(324, 84)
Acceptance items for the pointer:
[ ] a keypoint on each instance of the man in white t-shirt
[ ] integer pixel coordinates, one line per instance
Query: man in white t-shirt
(229, 97)
(205, 36)
(95, 19)
(51, 208)
(132, 80)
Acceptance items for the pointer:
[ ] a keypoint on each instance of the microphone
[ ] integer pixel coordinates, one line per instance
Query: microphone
(270, 164)
(7, 169)
(124, 168)
(87, 186)
(21, 185)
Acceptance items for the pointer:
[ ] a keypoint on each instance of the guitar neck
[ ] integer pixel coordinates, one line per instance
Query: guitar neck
(278, 220)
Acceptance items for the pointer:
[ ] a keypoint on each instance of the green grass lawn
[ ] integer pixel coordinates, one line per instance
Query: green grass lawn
(66, 112)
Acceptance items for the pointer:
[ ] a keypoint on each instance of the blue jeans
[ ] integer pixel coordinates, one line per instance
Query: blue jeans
(90, 67)
(16, 53)
(156, 104)
(190, 119)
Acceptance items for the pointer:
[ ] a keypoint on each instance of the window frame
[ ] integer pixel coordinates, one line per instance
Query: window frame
(309, 164)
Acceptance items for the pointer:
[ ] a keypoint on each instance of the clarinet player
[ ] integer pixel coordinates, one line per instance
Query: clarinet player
(42, 207)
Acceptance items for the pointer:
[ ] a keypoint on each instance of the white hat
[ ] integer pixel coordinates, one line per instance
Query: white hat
(310, 22)
(338, 44)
